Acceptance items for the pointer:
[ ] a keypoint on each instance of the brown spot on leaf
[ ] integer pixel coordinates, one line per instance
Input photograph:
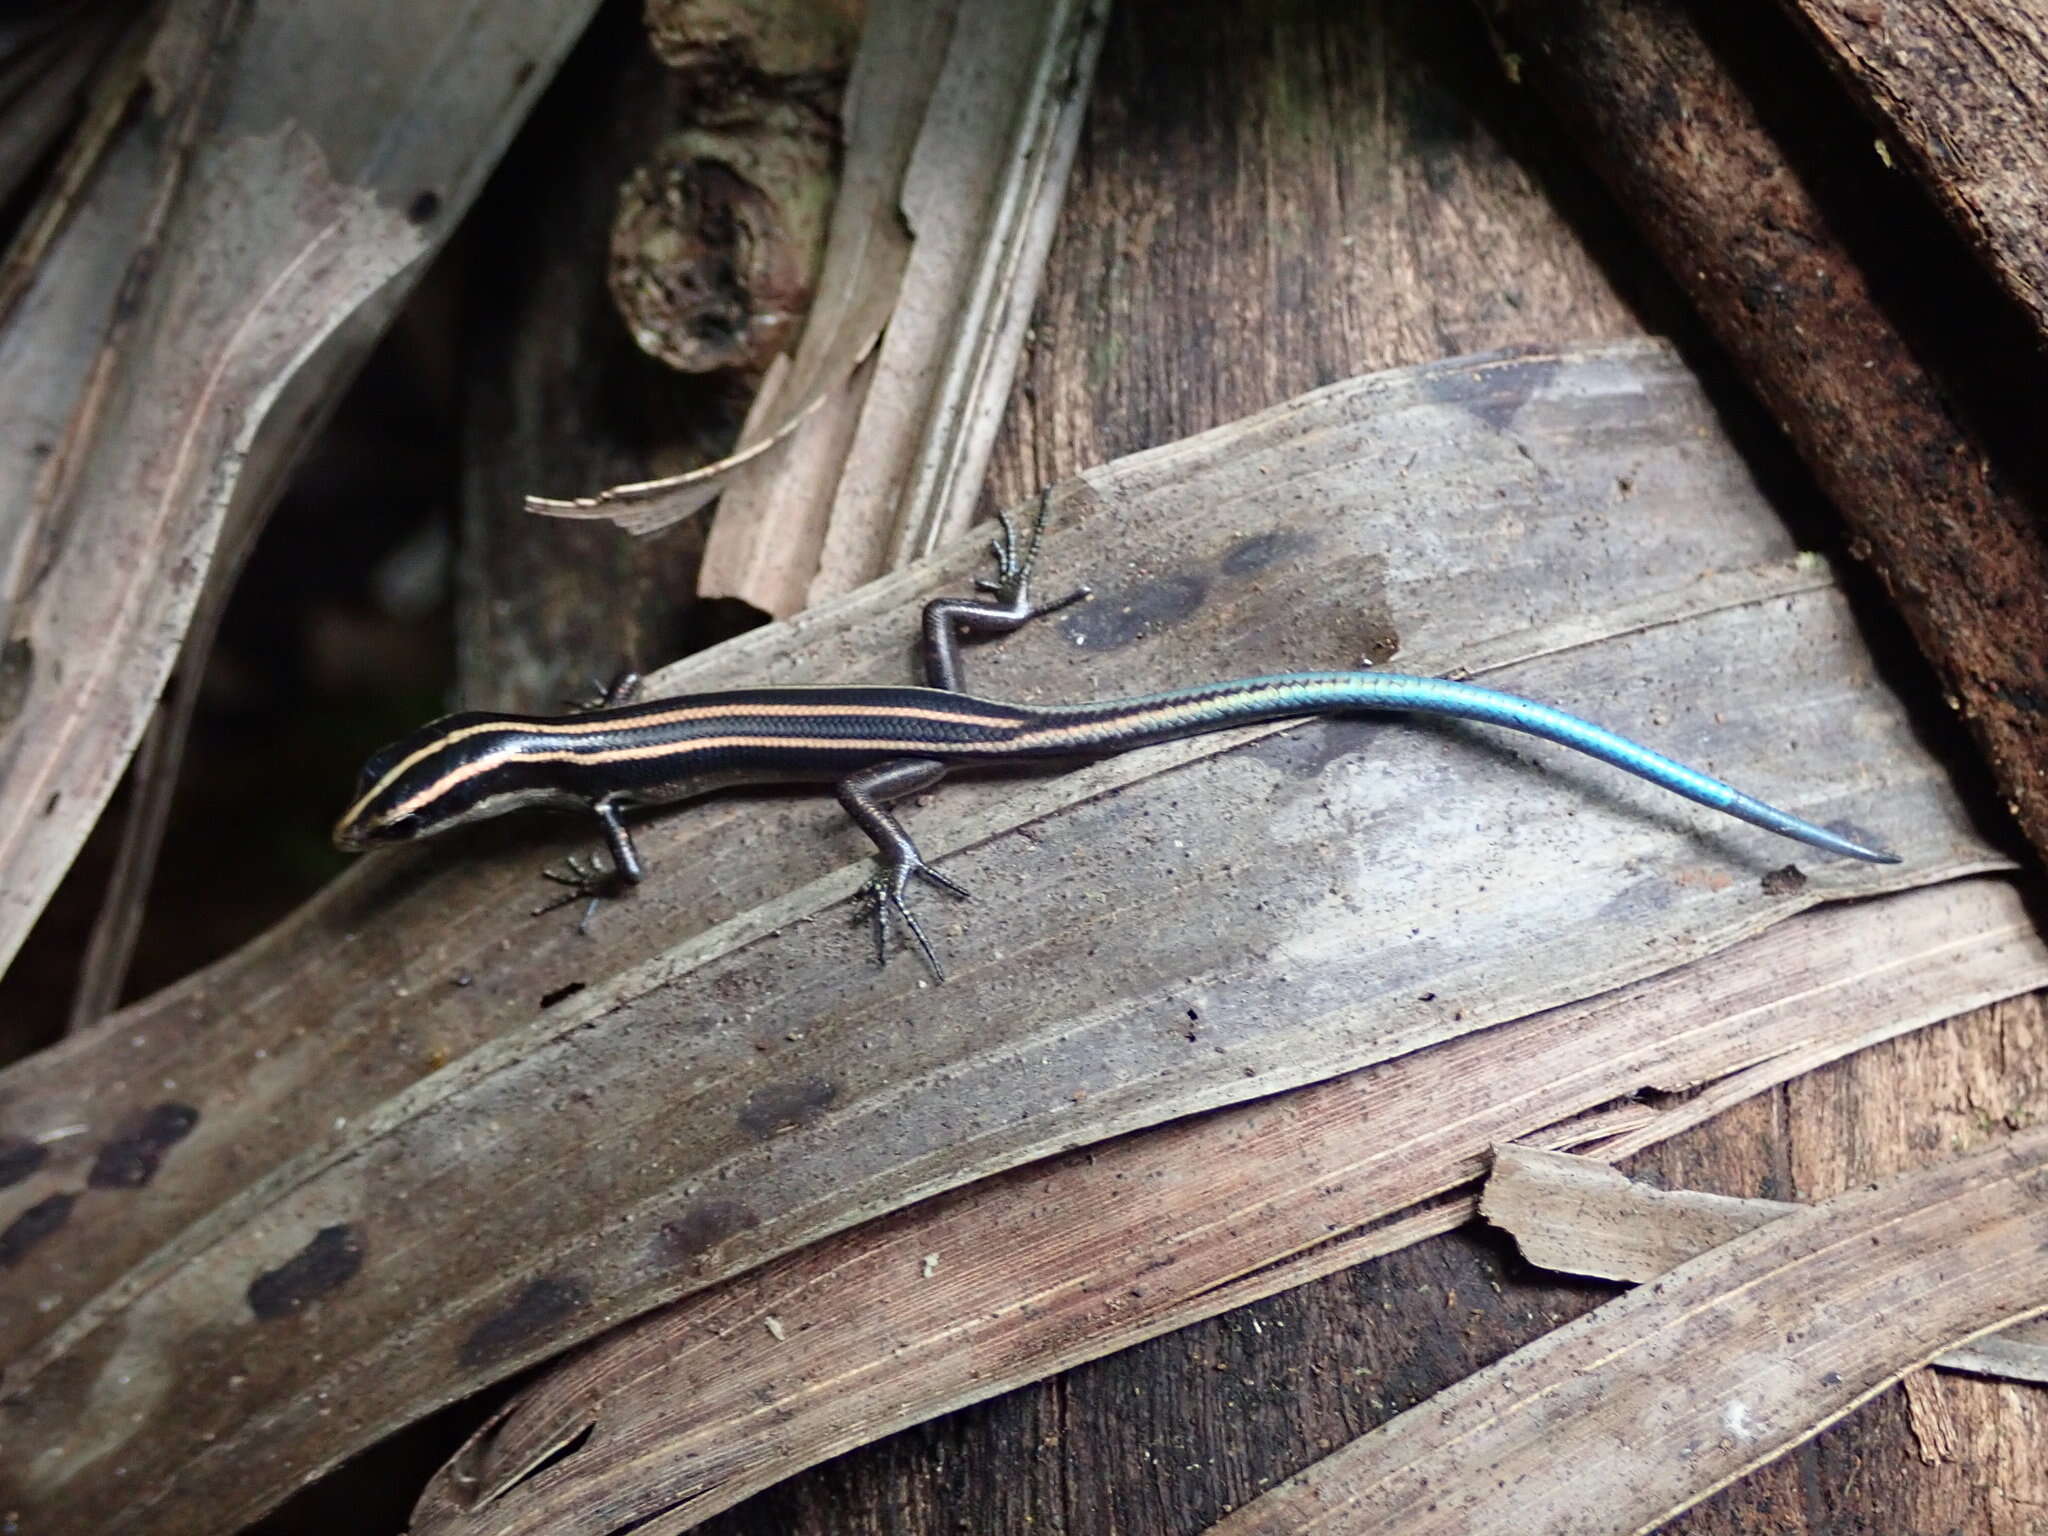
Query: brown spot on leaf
(538, 1307)
(130, 1161)
(17, 667)
(1494, 391)
(1249, 556)
(702, 1227)
(20, 1157)
(566, 990)
(1118, 618)
(325, 1264)
(786, 1106)
(32, 1226)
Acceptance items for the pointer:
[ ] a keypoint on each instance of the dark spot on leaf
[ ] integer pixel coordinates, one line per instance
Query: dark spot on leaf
(424, 206)
(1788, 881)
(20, 1157)
(131, 1161)
(548, 1000)
(17, 667)
(1637, 901)
(325, 1264)
(1116, 619)
(32, 1226)
(1495, 392)
(50, 805)
(527, 1317)
(786, 1106)
(702, 1227)
(1249, 556)
(1306, 754)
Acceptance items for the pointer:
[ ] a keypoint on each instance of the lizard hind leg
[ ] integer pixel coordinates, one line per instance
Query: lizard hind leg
(1006, 605)
(622, 689)
(866, 795)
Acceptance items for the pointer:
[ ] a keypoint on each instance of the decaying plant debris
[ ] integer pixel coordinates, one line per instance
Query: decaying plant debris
(256, 235)
(415, 1140)
(1578, 1214)
(960, 125)
(1637, 1411)
(824, 1139)
(691, 1409)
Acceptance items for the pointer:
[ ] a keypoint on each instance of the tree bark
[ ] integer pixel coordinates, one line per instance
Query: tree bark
(1819, 280)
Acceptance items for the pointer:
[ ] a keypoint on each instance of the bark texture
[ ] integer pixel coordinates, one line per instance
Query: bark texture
(1960, 90)
(1942, 502)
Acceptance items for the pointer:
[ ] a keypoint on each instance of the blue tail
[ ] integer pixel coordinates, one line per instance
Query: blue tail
(1129, 723)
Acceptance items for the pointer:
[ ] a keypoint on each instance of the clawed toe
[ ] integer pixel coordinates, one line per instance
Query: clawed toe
(585, 880)
(926, 872)
(1078, 595)
(883, 894)
(577, 873)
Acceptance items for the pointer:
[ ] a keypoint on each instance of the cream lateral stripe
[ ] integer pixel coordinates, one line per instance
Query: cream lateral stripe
(1167, 715)
(1106, 721)
(673, 717)
(1023, 736)
(1079, 731)
(681, 751)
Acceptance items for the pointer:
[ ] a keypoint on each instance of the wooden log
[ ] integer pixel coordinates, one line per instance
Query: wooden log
(556, 393)
(1959, 89)
(1576, 1214)
(1941, 519)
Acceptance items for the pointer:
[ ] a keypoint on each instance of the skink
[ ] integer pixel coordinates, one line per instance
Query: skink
(875, 745)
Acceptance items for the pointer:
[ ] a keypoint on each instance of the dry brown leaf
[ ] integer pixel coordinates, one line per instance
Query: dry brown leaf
(1578, 1215)
(721, 1041)
(250, 287)
(48, 343)
(127, 551)
(982, 194)
(48, 61)
(852, 472)
(297, 1033)
(693, 1408)
(1637, 1411)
